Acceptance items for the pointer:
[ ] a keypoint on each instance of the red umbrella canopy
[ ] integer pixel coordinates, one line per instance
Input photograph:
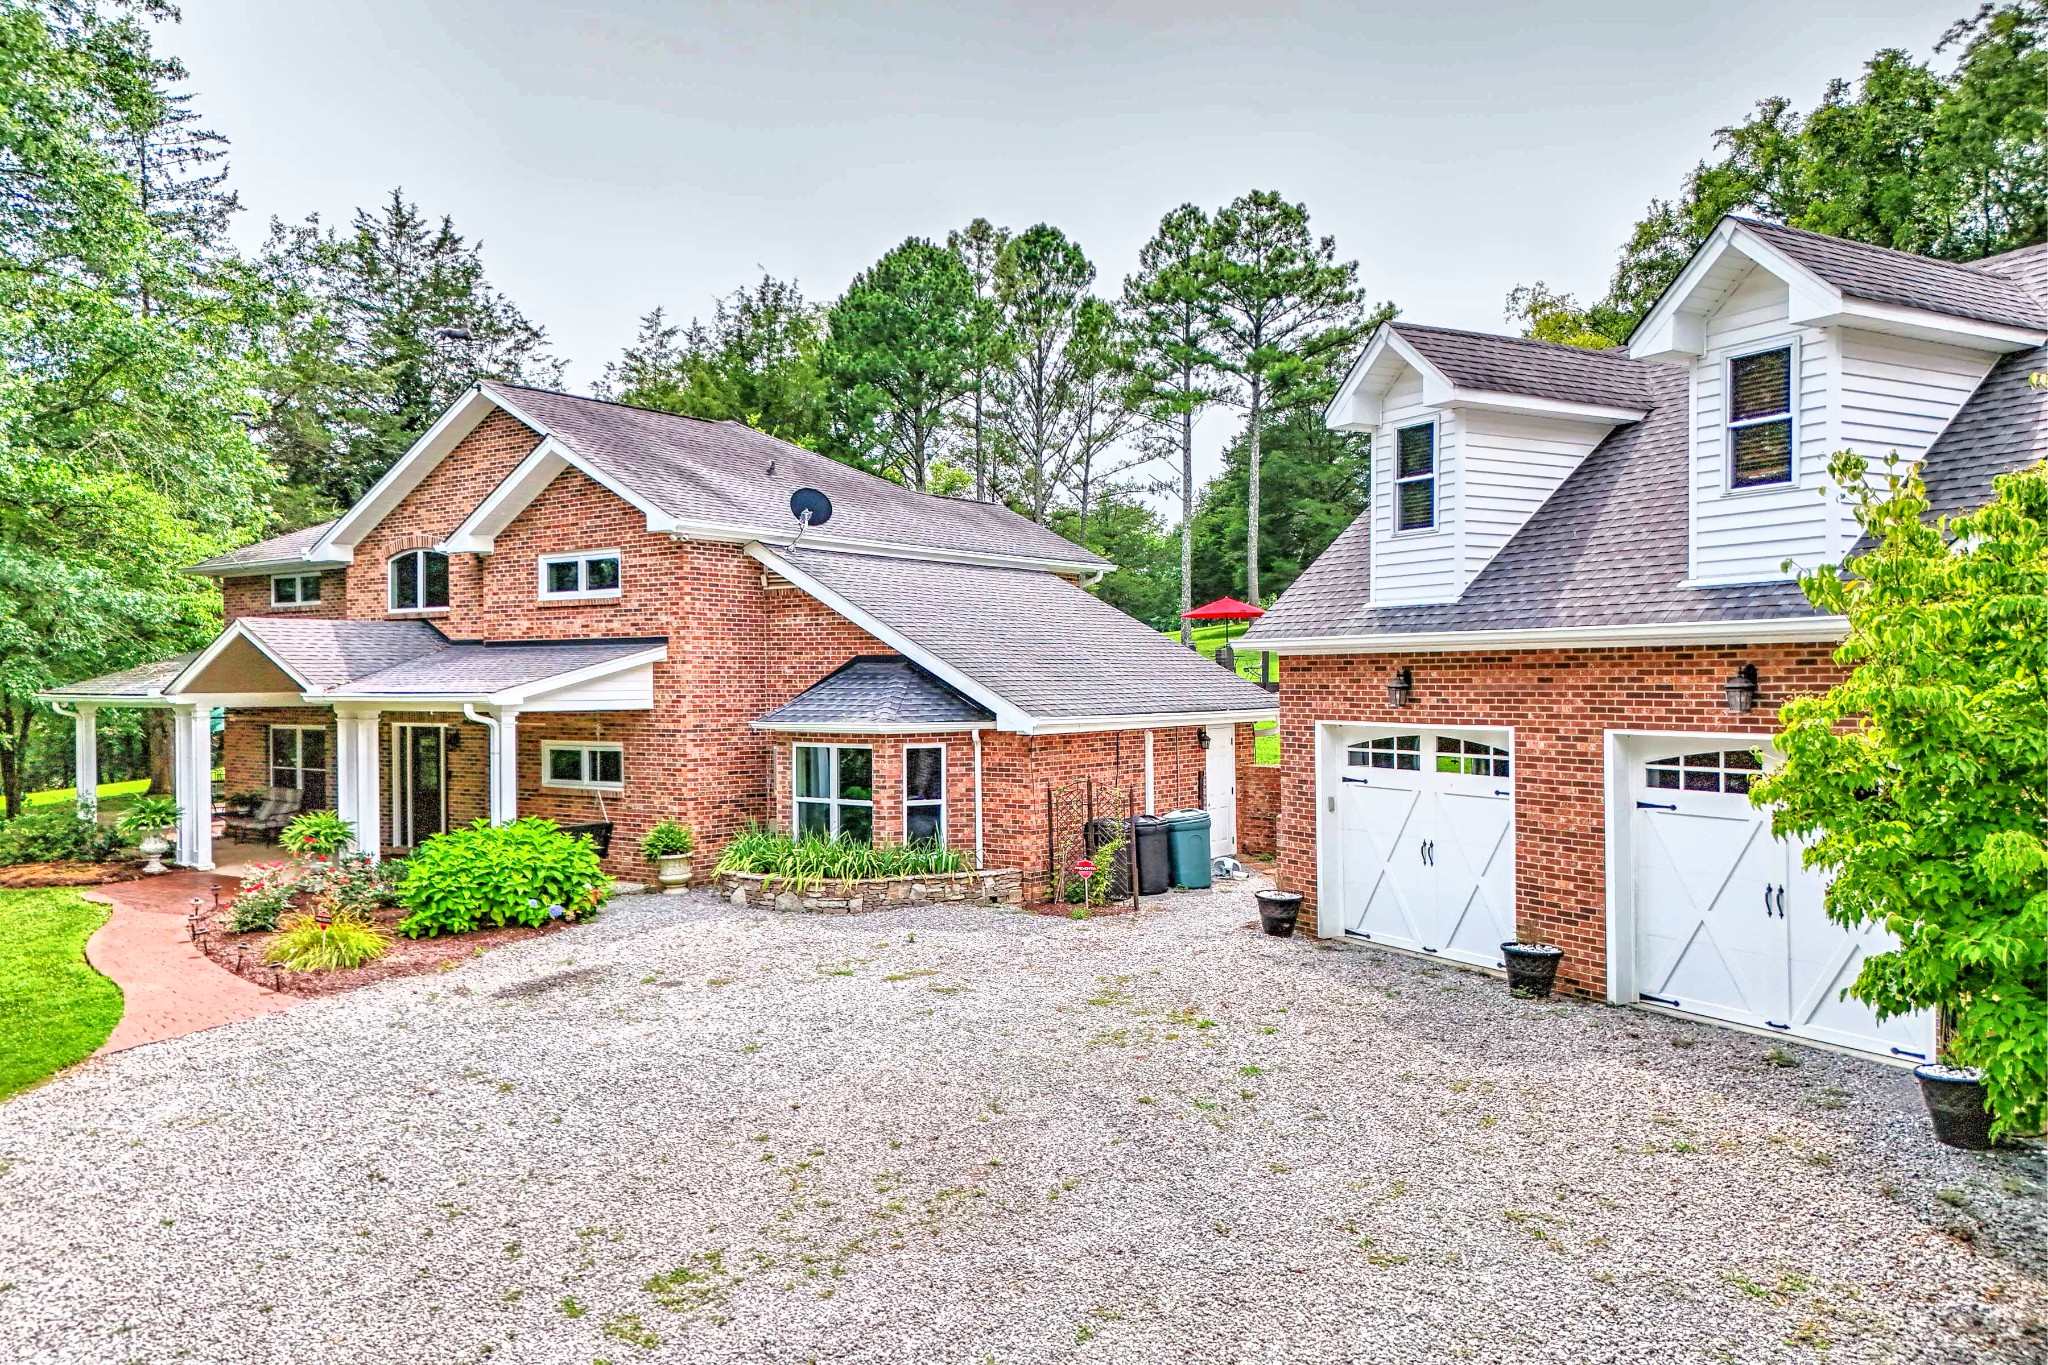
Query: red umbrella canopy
(1224, 609)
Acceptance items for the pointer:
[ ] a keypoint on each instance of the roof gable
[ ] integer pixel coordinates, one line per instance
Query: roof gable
(1478, 369)
(878, 693)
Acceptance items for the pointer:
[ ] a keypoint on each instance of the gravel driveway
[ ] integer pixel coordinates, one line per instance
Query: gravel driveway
(687, 1132)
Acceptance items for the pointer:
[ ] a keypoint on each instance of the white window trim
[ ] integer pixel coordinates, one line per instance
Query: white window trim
(547, 766)
(391, 584)
(301, 579)
(578, 558)
(945, 801)
(1435, 477)
(298, 764)
(835, 800)
(1790, 345)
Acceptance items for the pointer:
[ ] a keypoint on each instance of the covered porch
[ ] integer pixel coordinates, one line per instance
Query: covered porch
(399, 730)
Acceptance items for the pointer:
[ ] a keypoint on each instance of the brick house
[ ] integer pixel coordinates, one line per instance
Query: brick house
(1523, 696)
(559, 606)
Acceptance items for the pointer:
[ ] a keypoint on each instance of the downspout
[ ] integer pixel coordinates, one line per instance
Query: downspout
(978, 862)
(490, 723)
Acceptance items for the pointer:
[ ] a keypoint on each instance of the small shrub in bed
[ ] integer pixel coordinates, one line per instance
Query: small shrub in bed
(527, 872)
(265, 895)
(55, 836)
(304, 945)
(352, 883)
(806, 863)
(316, 834)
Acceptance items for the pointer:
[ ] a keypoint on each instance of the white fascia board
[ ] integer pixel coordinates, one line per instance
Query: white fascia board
(1546, 407)
(883, 549)
(1008, 716)
(1920, 325)
(518, 696)
(1353, 410)
(108, 699)
(951, 727)
(1163, 720)
(516, 491)
(258, 568)
(463, 416)
(236, 630)
(1819, 629)
(1672, 328)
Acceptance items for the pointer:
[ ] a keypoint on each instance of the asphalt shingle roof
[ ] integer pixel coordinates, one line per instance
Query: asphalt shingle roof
(1977, 291)
(485, 667)
(290, 545)
(140, 682)
(1532, 369)
(329, 653)
(720, 472)
(1032, 638)
(2003, 427)
(878, 691)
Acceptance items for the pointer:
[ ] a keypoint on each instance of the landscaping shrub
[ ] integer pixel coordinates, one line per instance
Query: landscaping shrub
(55, 836)
(353, 883)
(267, 893)
(527, 872)
(668, 839)
(316, 834)
(302, 945)
(149, 815)
(801, 864)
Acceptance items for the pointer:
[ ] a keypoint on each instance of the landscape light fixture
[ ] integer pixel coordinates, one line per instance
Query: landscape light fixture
(1401, 688)
(1740, 689)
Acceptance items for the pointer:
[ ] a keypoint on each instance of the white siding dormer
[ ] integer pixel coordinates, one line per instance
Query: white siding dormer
(1894, 396)
(1418, 565)
(1513, 463)
(1745, 534)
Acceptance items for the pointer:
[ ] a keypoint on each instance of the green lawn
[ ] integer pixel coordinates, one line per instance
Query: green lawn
(54, 1010)
(1209, 639)
(112, 794)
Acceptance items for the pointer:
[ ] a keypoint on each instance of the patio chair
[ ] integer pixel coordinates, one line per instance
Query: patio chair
(272, 814)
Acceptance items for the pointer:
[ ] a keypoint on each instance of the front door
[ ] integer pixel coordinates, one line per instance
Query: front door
(421, 786)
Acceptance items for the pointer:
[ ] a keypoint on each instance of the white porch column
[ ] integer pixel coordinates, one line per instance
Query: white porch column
(505, 767)
(85, 725)
(358, 786)
(192, 782)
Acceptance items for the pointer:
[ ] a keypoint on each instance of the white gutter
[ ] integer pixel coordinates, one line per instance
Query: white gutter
(978, 861)
(1156, 720)
(1819, 629)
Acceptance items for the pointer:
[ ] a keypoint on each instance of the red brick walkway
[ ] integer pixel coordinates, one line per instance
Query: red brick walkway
(171, 988)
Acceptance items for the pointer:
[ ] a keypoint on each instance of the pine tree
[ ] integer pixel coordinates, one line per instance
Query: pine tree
(979, 246)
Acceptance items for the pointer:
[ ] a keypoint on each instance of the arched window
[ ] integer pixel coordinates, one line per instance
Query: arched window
(1389, 751)
(419, 580)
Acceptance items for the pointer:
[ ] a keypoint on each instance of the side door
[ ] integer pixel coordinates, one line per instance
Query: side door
(1385, 810)
(1221, 786)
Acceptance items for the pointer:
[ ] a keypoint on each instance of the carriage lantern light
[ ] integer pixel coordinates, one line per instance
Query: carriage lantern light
(1740, 689)
(1202, 738)
(1401, 688)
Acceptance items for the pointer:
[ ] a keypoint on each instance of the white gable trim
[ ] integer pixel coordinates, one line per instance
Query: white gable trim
(462, 417)
(1560, 408)
(478, 532)
(1352, 409)
(238, 630)
(1008, 715)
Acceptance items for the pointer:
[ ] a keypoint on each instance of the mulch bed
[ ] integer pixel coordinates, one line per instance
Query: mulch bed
(405, 957)
(29, 876)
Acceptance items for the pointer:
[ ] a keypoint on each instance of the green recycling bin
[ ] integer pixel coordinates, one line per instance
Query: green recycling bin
(1187, 833)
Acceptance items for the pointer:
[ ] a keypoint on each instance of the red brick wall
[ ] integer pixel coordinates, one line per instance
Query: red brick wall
(251, 597)
(1258, 797)
(888, 780)
(1560, 704)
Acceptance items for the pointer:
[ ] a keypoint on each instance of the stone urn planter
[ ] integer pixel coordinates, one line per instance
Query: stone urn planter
(673, 871)
(154, 846)
(1954, 1096)
(1532, 968)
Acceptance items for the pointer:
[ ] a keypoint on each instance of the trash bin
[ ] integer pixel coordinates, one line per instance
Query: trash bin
(1187, 831)
(1155, 856)
(1099, 833)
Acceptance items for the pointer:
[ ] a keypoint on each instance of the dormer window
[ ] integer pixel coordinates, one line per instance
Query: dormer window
(592, 573)
(1415, 477)
(1760, 418)
(419, 580)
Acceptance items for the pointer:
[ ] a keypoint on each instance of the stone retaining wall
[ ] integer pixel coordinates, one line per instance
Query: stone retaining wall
(997, 886)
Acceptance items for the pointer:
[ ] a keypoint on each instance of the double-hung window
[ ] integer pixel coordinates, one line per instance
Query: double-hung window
(419, 580)
(835, 791)
(583, 767)
(580, 576)
(1415, 477)
(1760, 419)
(298, 760)
(924, 794)
(294, 589)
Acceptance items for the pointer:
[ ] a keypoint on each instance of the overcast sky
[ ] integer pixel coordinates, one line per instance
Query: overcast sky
(611, 158)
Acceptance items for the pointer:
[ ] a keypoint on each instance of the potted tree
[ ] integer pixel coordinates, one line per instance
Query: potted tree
(668, 847)
(151, 822)
(1921, 783)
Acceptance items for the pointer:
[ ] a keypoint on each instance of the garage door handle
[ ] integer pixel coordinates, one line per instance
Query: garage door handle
(1655, 805)
(1359, 780)
(1771, 1023)
(1781, 902)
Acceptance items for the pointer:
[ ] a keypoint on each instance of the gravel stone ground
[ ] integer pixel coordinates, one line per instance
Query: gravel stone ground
(693, 1133)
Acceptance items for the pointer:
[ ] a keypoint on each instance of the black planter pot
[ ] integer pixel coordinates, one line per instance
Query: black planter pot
(1955, 1101)
(1532, 968)
(1278, 911)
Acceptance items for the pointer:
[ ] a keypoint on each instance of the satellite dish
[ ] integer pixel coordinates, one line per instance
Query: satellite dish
(810, 507)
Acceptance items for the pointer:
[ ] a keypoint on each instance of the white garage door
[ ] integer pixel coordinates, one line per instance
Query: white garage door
(1728, 924)
(1425, 843)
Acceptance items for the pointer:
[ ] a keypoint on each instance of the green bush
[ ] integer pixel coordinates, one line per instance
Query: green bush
(353, 883)
(55, 835)
(668, 839)
(302, 945)
(801, 864)
(149, 815)
(316, 834)
(527, 872)
(266, 894)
